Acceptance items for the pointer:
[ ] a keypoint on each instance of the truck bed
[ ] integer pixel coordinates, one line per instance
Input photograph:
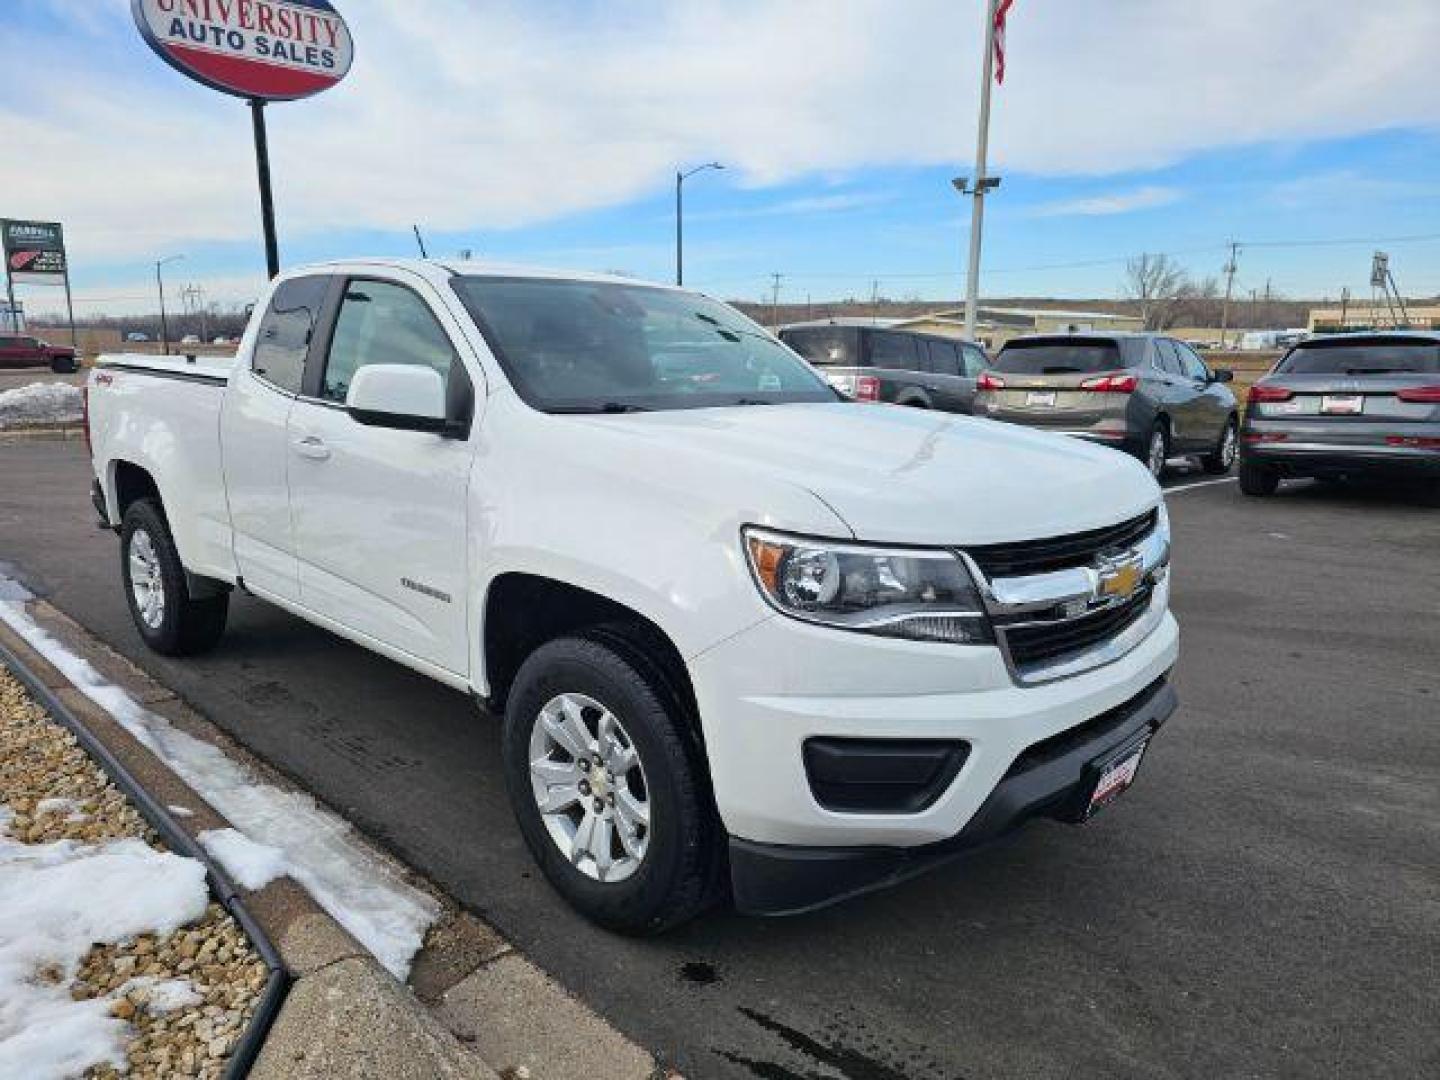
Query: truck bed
(214, 369)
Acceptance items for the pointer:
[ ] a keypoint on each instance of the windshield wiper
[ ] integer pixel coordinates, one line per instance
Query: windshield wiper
(1376, 370)
(598, 407)
(752, 401)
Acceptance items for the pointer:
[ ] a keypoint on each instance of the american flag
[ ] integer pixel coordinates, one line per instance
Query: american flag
(1002, 9)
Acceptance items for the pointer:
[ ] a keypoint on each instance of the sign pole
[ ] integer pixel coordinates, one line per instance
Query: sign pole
(70, 304)
(10, 296)
(267, 201)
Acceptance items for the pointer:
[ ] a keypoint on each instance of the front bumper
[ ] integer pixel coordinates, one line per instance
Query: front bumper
(765, 692)
(1051, 779)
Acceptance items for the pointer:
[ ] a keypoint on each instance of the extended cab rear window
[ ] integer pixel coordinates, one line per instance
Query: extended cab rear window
(1058, 357)
(1362, 358)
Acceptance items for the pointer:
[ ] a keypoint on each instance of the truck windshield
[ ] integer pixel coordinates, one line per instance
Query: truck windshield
(1363, 358)
(584, 346)
(1057, 357)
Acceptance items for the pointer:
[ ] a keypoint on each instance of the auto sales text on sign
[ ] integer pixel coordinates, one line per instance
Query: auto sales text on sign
(274, 50)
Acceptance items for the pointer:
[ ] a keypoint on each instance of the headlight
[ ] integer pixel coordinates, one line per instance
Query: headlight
(898, 592)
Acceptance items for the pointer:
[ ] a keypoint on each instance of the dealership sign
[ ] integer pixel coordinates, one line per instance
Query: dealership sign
(264, 50)
(34, 252)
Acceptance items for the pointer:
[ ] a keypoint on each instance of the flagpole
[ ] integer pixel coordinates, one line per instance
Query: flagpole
(977, 215)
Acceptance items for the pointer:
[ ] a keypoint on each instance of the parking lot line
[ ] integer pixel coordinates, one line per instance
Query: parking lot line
(1199, 484)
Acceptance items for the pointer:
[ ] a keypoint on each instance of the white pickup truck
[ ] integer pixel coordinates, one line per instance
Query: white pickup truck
(744, 635)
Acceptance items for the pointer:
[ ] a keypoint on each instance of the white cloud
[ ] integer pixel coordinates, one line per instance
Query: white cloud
(1121, 202)
(488, 114)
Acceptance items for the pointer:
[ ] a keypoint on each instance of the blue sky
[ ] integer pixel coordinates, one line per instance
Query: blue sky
(549, 133)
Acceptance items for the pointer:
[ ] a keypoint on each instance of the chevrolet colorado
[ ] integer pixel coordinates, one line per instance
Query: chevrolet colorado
(743, 634)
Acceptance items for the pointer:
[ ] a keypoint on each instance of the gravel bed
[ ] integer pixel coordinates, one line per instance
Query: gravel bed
(187, 995)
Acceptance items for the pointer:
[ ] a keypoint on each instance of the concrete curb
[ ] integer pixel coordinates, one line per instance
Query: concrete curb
(42, 433)
(473, 1004)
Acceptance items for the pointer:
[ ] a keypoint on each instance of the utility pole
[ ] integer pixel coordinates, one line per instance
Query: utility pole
(1344, 305)
(1229, 271)
(874, 301)
(982, 182)
(775, 280)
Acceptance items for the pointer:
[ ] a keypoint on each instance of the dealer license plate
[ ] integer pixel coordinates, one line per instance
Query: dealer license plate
(1043, 398)
(1116, 777)
(1342, 404)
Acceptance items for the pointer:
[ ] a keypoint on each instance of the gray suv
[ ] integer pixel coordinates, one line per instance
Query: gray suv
(1151, 396)
(1349, 405)
(876, 363)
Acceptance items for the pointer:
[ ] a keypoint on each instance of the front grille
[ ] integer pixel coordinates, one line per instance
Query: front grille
(1058, 552)
(1036, 643)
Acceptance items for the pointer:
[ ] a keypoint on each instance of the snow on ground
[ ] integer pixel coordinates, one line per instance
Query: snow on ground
(56, 901)
(252, 865)
(40, 403)
(366, 896)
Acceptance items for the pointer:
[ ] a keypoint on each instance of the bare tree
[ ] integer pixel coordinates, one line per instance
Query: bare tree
(1158, 283)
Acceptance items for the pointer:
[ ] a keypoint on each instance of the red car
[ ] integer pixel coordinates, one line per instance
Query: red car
(21, 351)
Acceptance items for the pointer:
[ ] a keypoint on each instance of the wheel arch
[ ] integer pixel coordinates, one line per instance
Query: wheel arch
(522, 611)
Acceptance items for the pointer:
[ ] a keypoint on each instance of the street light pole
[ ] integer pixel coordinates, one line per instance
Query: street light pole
(160, 287)
(680, 178)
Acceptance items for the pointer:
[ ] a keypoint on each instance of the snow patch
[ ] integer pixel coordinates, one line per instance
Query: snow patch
(55, 806)
(252, 865)
(40, 403)
(159, 995)
(56, 900)
(181, 811)
(362, 893)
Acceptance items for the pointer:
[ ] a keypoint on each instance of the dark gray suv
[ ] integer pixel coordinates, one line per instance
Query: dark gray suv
(1345, 406)
(1149, 395)
(877, 363)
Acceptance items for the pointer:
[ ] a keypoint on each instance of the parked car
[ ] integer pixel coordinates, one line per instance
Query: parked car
(190, 339)
(872, 363)
(1357, 405)
(23, 351)
(137, 336)
(1149, 395)
(739, 629)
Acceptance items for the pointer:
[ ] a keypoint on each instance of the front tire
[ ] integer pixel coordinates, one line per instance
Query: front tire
(65, 367)
(1219, 461)
(170, 621)
(1257, 480)
(608, 791)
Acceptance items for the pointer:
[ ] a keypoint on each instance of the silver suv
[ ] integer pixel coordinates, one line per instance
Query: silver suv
(1148, 395)
(1346, 406)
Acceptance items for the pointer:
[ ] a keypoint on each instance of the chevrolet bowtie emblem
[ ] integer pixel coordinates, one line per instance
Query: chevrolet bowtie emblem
(1119, 578)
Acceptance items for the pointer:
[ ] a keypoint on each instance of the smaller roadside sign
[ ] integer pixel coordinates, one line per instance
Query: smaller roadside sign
(34, 252)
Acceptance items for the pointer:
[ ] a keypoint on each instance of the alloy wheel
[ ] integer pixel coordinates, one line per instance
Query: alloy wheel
(1155, 459)
(589, 786)
(147, 585)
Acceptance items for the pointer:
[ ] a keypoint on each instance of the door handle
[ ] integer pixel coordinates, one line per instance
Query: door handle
(312, 447)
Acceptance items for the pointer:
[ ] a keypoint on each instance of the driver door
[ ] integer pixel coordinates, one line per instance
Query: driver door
(380, 514)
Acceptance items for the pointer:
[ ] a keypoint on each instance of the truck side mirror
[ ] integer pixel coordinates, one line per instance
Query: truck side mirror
(406, 397)
(1221, 374)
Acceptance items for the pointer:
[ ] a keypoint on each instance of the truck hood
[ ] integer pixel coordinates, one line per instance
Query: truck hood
(900, 475)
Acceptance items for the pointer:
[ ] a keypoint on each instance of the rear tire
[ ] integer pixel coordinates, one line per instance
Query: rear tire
(65, 367)
(1218, 461)
(1156, 450)
(1257, 480)
(169, 620)
(577, 841)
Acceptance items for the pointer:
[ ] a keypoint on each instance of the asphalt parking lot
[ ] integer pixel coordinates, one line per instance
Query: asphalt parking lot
(1265, 902)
